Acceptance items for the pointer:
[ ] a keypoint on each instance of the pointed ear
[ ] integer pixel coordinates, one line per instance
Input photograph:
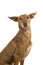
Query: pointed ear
(14, 18)
(32, 15)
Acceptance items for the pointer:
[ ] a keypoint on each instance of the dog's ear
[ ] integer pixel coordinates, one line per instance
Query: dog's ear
(32, 15)
(14, 18)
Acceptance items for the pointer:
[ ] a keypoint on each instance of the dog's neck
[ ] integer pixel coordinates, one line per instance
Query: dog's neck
(26, 33)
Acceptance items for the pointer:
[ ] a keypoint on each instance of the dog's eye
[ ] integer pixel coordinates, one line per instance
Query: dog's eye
(27, 17)
(20, 18)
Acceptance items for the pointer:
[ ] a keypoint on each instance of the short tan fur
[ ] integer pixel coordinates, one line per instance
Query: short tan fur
(19, 47)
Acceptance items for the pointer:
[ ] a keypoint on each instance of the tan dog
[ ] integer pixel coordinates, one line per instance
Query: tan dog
(19, 47)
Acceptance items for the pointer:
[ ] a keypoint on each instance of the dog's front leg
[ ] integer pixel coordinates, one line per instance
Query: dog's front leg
(22, 62)
(16, 62)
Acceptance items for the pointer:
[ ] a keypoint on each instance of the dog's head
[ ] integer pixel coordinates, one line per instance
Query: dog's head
(23, 20)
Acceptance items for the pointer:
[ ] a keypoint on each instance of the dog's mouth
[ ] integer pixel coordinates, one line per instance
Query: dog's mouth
(25, 26)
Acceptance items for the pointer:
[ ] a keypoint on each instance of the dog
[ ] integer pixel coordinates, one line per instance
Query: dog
(19, 47)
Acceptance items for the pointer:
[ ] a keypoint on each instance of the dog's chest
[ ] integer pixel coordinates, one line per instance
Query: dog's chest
(22, 45)
(23, 51)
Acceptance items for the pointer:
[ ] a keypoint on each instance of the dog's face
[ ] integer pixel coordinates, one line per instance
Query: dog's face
(23, 20)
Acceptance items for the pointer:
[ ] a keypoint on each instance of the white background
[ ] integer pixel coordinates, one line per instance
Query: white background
(8, 28)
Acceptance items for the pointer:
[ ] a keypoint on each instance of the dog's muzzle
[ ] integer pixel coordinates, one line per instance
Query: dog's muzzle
(25, 25)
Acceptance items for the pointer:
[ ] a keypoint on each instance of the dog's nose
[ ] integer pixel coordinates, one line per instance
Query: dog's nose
(25, 24)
